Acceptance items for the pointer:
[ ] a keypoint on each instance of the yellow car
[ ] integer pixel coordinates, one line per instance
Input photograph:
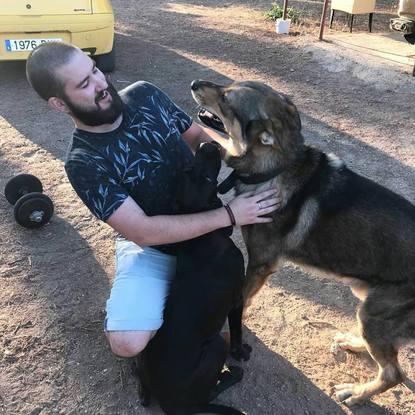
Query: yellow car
(88, 24)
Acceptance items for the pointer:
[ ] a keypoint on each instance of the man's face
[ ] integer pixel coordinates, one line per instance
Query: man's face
(89, 97)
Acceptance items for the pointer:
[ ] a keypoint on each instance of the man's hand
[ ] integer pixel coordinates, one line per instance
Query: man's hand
(130, 220)
(249, 208)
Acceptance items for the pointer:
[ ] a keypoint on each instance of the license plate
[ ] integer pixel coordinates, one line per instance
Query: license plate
(24, 45)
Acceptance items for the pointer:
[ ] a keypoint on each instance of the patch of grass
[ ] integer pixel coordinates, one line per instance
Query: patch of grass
(276, 11)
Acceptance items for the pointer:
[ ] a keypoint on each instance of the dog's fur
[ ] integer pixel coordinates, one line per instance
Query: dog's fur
(331, 219)
(183, 362)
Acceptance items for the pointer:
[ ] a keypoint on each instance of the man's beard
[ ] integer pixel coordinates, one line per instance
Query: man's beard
(97, 116)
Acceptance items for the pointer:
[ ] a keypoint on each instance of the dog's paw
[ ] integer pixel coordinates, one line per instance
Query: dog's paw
(145, 399)
(350, 394)
(337, 343)
(347, 341)
(242, 352)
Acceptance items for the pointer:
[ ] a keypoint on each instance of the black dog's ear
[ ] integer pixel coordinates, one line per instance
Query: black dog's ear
(208, 160)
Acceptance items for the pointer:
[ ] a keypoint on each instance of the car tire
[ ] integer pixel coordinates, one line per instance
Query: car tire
(106, 63)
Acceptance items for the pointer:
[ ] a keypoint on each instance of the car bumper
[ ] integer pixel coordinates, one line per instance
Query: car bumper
(92, 33)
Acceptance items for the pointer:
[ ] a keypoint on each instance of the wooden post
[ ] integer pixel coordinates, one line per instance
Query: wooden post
(285, 6)
(323, 19)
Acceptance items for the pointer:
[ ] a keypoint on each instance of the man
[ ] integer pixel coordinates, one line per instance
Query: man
(123, 161)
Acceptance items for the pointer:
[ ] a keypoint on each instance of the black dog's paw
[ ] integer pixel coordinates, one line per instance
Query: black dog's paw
(144, 396)
(241, 352)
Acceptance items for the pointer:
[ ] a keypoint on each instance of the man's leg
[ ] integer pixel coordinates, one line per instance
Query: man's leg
(128, 343)
(138, 296)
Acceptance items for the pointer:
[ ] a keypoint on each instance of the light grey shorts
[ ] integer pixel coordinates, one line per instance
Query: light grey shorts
(141, 285)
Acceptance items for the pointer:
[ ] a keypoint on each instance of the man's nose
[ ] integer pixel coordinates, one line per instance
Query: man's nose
(102, 83)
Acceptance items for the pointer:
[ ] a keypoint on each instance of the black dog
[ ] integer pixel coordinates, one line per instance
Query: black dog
(182, 365)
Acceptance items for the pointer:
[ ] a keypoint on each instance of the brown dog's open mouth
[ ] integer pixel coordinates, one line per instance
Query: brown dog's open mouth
(211, 120)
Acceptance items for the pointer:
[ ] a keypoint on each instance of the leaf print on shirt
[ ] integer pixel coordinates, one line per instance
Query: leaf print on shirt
(178, 118)
(147, 129)
(103, 206)
(134, 171)
(172, 115)
(169, 121)
(127, 171)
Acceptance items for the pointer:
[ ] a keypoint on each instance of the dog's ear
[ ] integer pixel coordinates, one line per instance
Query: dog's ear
(293, 112)
(266, 138)
(261, 130)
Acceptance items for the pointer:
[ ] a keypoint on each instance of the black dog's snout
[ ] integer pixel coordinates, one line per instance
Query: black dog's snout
(209, 148)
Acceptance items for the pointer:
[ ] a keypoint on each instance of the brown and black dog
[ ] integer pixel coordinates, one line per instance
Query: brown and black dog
(331, 220)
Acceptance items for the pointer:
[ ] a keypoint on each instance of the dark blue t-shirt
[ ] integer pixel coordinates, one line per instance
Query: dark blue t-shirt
(141, 158)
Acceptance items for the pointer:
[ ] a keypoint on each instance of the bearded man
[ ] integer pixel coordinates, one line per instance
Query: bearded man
(124, 158)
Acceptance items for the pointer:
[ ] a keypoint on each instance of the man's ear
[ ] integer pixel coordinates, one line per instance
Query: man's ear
(57, 104)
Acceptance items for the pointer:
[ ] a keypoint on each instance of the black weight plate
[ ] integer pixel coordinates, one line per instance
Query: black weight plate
(33, 210)
(20, 185)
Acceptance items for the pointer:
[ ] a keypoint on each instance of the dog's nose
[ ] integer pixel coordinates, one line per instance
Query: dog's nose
(194, 85)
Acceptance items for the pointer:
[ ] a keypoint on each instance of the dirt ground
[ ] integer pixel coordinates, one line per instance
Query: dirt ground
(54, 281)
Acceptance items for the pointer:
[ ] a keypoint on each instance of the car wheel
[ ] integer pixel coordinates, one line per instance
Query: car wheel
(106, 63)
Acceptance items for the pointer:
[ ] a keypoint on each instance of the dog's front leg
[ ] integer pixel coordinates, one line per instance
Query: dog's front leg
(262, 259)
(256, 276)
(382, 343)
(389, 375)
(239, 351)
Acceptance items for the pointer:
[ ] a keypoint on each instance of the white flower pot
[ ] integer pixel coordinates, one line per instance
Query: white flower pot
(282, 26)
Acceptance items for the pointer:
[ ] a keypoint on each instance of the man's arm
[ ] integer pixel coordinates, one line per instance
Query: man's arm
(131, 221)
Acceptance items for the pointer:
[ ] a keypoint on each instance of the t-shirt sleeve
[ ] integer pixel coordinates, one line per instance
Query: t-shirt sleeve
(182, 120)
(96, 186)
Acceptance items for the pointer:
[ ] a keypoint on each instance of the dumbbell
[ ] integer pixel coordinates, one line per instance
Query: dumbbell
(32, 209)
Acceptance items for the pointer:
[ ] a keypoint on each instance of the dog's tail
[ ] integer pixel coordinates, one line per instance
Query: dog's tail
(213, 409)
(228, 377)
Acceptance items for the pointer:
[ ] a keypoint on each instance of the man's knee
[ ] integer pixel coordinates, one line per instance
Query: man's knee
(128, 343)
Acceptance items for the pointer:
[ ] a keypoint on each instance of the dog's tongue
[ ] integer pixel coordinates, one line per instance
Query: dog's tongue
(211, 120)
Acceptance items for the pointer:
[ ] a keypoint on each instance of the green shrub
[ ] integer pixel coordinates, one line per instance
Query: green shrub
(276, 12)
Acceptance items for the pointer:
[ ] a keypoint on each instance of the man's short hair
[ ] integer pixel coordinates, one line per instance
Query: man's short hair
(41, 68)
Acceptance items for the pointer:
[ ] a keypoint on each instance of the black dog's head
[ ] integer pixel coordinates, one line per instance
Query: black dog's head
(197, 186)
